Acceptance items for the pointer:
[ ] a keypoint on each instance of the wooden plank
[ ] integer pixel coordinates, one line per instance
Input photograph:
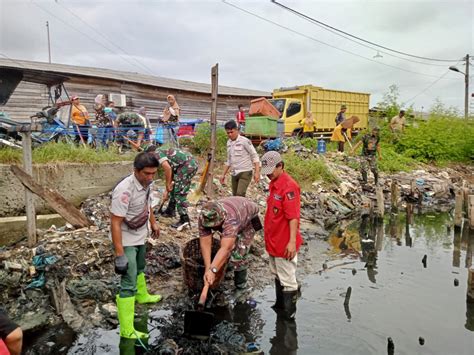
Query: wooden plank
(53, 198)
(29, 201)
(214, 93)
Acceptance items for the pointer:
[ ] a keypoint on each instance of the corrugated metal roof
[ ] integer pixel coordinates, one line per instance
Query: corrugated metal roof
(72, 70)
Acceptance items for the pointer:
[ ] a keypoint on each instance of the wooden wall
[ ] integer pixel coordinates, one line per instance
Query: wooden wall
(28, 98)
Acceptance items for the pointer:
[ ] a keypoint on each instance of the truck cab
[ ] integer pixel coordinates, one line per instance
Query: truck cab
(291, 111)
(294, 102)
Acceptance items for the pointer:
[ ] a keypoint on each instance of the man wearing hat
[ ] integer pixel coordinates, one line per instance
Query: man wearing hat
(282, 235)
(341, 115)
(236, 218)
(179, 167)
(370, 146)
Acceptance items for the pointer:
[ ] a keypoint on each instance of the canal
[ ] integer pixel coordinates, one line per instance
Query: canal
(409, 281)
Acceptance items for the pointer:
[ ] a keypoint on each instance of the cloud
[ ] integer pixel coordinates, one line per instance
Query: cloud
(183, 39)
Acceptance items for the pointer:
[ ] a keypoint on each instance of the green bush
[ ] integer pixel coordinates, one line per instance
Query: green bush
(392, 161)
(438, 140)
(202, 141)
(308, 170)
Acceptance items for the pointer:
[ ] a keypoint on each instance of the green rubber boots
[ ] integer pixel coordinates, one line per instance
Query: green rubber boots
(142, 295)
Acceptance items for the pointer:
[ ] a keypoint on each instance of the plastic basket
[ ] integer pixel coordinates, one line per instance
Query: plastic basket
(194, 264)
(264, 126)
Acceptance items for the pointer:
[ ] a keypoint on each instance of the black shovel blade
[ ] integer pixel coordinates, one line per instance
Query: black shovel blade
(198, 324)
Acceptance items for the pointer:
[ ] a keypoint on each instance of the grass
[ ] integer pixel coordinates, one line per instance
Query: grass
(64, 152)
(306, 171)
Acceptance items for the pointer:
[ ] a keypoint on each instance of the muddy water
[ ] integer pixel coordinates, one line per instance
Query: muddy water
(420, 305)
(397, 298)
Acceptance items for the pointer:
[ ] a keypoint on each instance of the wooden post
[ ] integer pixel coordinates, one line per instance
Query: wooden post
(457, 248)
(214, 93)
(465, 191)
(395, 196)
(409, 214)
(412, 188)
(470, 286)
(470, 211)
(29, 201)
(470, 245)
(458, 209)
(380, 202)
(379, 234)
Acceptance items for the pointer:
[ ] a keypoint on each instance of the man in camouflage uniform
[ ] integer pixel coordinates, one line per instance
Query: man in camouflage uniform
(236, 218)
(370, 146)
(179, 167)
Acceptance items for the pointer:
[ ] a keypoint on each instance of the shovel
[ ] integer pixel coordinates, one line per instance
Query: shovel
(196, 195)
(347, 139)
(198, 324)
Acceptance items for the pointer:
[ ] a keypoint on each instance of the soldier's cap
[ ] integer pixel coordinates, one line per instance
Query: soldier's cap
(343, 106)
(269, 162)
(213, 214)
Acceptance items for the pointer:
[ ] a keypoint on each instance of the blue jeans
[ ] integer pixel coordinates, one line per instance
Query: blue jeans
(104, 136)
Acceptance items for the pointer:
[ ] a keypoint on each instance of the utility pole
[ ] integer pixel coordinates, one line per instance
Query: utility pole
(466, 89)
(466, 85)
(49, 41)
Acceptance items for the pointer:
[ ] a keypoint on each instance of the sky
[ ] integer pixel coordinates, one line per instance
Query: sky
(264, 48)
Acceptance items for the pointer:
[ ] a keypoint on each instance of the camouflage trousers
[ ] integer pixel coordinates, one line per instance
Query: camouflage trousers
(182, 183)
(369, 162)
(240, 254)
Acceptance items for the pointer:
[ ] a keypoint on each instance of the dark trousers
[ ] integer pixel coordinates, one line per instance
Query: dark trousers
(240, 183)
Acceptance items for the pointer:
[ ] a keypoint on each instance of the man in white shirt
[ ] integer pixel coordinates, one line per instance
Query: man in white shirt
(242, 159)
(397, 124)
(131, 218)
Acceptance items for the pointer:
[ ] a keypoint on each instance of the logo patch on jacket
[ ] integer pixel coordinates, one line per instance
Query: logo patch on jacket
(278, 197)
(125, 198)
(290, 195)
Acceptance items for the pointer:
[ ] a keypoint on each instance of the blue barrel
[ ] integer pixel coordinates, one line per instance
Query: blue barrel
(321, 145)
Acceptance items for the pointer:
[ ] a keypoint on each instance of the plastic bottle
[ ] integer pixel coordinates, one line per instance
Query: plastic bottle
(321, 145)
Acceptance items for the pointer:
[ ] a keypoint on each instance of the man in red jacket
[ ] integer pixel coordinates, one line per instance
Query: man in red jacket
(282, 235)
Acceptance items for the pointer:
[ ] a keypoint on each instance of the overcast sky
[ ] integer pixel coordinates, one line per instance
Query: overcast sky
(183, 39)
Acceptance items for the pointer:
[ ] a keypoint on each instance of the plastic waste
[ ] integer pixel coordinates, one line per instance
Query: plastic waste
(321, 145)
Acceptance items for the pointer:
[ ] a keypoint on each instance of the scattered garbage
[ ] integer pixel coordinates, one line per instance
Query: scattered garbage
(81, 260)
